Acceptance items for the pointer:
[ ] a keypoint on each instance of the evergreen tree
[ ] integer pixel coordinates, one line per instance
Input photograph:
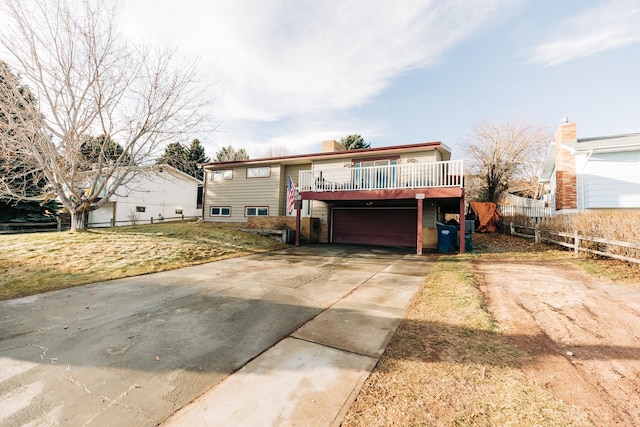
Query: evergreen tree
(185, 159)
(16, 104)
(99, 151)
(354, 142)
(195, 156)
(175, 155)
(229, 154)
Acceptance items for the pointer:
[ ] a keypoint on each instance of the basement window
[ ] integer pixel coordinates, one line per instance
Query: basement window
(220, 211)
(256, 211)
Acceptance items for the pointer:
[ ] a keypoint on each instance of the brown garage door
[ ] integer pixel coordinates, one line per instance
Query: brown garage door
(375, 226)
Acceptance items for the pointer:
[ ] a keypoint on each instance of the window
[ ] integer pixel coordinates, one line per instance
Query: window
(261, 172)
(220, 211)
(222, 174)
(374, 175)
(256, 211)
(141, 208)
(178, 211)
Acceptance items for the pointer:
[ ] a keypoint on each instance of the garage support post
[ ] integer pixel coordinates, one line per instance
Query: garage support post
(419, 225)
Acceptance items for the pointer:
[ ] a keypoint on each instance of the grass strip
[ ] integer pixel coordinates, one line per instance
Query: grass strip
(447, 366)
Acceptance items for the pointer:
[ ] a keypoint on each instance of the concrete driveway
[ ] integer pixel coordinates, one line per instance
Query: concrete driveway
(134, 351)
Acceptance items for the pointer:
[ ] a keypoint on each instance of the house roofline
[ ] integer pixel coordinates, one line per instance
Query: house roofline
(362, 152)
(176, 172)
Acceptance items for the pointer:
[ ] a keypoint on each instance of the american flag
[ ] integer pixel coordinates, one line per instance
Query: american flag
(291, 195)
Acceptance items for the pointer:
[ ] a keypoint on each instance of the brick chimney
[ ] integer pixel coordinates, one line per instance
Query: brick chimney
(566, 192)
(331, 146)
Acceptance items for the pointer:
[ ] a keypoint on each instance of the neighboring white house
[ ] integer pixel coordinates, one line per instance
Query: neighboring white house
(592, 173)
(159, 192)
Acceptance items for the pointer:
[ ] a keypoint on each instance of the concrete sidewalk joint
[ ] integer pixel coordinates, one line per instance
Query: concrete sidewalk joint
(312, 377)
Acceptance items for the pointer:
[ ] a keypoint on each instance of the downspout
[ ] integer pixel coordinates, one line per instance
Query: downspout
(204, 190)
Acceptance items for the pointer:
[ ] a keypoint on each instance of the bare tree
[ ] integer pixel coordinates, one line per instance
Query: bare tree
(275, 150)
(502, 154)
(86, 80)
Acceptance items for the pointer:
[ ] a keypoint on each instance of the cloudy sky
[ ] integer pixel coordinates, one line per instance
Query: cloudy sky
(290, 74)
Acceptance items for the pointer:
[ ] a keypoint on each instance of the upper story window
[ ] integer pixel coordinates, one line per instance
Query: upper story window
(375, 162)
(222, 174)
(259, 172)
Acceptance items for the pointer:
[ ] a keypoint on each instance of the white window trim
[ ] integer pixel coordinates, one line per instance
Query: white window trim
(257, 210)
(259, 172)
(223, 174)
(220, 208)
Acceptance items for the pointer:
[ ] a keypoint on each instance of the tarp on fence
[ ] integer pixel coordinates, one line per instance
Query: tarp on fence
(487, 215)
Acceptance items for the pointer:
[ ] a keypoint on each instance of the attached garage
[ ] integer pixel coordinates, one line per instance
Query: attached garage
(374, 226)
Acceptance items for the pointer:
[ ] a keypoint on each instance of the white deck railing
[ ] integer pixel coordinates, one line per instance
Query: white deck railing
(389, 177)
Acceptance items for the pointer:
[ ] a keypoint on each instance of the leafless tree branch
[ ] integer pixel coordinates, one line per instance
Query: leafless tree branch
(88, 81)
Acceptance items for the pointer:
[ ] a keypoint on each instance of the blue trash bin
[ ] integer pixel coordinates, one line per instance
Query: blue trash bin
(445, 236)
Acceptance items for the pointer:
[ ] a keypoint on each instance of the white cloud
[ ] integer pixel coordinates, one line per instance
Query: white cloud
(613, 24)
(278, 58)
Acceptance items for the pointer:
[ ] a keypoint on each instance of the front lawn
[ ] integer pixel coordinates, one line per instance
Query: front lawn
(41, 262)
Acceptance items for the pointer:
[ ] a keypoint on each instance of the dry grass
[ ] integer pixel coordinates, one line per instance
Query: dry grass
(622, 226)
(447, 366)
(40, 262)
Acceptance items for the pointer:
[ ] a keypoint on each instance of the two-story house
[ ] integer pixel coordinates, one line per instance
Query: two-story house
(592, 173)
(387, 196)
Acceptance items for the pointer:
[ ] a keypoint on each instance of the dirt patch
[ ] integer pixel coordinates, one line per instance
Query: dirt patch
(582, 333)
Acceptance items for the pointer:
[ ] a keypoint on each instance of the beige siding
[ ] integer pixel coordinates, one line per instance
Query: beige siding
(321, 210)
(330, 163)
(293, 171)
(240, 192)
(419, 157)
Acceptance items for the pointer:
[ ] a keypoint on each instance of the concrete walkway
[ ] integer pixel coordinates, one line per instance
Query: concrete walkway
(312, 377)
(280, 338)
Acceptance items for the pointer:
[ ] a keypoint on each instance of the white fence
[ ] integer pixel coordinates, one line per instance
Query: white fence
(389, 177)
(578, 243)
(528, 211)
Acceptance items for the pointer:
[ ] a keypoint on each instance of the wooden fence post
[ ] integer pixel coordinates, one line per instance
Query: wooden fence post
(576, 243)
(59, 221)
(512, 228)
(536, 232)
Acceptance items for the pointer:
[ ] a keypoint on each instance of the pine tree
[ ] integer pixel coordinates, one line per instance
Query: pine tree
(16, 105)
(354, 142)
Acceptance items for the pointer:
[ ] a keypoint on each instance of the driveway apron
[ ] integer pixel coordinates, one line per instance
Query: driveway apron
(298, 322)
